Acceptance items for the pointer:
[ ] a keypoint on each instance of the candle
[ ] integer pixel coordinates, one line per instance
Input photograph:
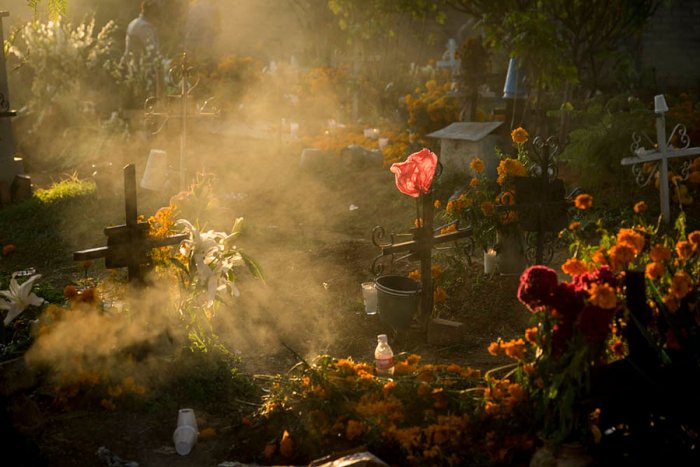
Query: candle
(490, 261)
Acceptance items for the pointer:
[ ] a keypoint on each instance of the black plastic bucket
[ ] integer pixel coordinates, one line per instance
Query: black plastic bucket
(398, 298)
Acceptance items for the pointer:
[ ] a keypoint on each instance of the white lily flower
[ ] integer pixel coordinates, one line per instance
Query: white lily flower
(19, 297)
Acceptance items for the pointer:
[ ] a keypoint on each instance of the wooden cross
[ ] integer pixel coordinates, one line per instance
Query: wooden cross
(419, 248)
(128, 245)
(665, 151)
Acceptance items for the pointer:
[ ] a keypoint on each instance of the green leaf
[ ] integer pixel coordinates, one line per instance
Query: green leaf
(253, 266)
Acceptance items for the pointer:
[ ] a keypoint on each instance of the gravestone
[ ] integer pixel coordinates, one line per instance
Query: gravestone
(10, 166)
(461, 141)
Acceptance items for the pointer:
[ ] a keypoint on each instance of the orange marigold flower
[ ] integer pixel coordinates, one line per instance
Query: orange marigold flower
(389, 385)
(574, 267)
(413, 359)
(491, 408)
(487, 208)
(507, 199)
(448, 229)
(440, 295)
(286, 445)
(620, 256)
(583, 201)
(694, 237)
(8, 249)
(671, 302)
(437, 204)
(515, 349)
(436, 271)
(640, 207)
(519, 135)
(453, 368)
(654, 270)
(659, 253)
(474, 182)
(631, 238)
(270, 450)
(529, 368)
(517, 392)
(477, 165)
(618, 348)
(353, 430)
(70, 292)
(531, 334)
(694, 177)
(450, 207)
(600, 258)
(575, 225)
(603, 296)
(424, 389)
(681, 284)
(684, 249)
(415, 274)
(494, 348)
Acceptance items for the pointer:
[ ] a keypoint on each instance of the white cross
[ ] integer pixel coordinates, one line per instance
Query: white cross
(664, 152)
(449, 58)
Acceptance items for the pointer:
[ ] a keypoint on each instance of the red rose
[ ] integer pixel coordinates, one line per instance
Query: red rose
(415, 175)
(537, 286)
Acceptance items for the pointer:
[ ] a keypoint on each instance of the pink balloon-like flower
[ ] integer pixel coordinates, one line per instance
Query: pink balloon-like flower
(415, 175)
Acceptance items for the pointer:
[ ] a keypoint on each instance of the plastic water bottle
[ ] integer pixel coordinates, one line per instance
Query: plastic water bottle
(383, 356)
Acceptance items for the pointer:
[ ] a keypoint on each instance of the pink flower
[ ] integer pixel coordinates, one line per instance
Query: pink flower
(537, 286)
(415, 175)
(603, 275)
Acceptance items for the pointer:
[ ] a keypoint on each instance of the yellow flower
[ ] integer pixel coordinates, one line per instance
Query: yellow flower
(640, 207)
(584, 201)
(477, 165)
(574, 267)
(519, 135)
(603, 296)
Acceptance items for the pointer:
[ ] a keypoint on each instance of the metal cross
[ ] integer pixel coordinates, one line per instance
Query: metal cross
(418, 248)
(128, 245)
(666, 149)
(187, 78)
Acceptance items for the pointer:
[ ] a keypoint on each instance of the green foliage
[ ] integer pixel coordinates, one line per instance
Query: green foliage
(603, 138)
(56, 8)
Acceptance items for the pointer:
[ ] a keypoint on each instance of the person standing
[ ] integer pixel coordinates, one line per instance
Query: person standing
(141, 34)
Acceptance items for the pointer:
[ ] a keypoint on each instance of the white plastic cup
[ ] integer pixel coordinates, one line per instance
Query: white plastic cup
(184, 438)
(186, 417)
(369, 297)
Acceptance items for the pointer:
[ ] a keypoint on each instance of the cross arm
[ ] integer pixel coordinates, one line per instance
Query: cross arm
(655, 156)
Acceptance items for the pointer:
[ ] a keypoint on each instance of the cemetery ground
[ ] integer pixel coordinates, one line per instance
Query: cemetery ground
(310, 230)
